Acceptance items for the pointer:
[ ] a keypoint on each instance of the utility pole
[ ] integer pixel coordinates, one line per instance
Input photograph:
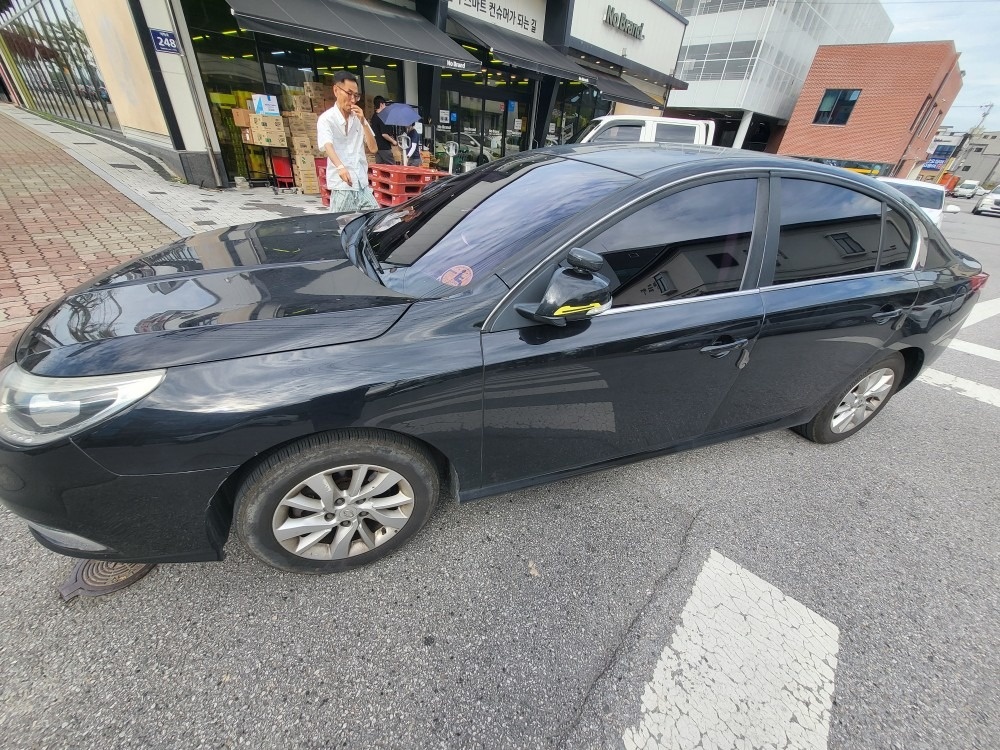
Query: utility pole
(985, 109)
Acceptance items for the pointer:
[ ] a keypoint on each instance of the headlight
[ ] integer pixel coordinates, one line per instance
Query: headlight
(37, 410)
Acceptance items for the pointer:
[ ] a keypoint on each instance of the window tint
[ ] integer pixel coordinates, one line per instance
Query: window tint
(670, 133)
(620, 134)
(826, 231)
(468, 225)
(896, 240)
(687, 244)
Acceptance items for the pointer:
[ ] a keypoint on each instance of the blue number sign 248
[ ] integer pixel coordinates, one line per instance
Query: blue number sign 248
(165, 41)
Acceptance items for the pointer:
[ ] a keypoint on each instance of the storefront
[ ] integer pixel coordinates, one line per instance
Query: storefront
(631, 48)
(496, 79)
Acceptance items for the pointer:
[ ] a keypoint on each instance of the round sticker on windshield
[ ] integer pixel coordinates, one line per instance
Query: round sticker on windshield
(457, 276)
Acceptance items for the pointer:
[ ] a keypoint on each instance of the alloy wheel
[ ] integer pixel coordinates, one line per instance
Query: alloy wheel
(343, 512)
(863, 400)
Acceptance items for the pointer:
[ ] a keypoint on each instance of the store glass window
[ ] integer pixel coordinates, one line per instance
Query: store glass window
(576, 105)
(231, 74)
(56, 70)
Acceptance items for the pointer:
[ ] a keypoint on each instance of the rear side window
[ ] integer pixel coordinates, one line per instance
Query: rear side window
(670, 133)
(687, 244)
(624, 133)
(826, 231)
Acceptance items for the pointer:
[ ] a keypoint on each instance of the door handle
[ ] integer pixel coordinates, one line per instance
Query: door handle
(881, 318)
(721, 350)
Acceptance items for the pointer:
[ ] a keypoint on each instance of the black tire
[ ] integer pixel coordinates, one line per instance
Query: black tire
(820, 428)
(365, 460)
(975, 212)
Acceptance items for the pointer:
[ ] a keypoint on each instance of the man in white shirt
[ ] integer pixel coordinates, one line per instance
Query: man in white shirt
(343, 132)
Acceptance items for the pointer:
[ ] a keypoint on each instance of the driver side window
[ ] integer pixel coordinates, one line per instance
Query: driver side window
(688, 244)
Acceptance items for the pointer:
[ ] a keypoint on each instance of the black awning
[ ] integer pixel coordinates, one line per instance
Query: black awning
(521, 51)
(360, 25)
(618, 90)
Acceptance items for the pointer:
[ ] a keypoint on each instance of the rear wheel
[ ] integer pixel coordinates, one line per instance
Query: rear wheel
(844, 415)
(333, 502)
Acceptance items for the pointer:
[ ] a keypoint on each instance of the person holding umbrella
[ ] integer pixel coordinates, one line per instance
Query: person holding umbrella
(383, 140)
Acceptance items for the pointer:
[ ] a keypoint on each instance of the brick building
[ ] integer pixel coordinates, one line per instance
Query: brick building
(874, 108)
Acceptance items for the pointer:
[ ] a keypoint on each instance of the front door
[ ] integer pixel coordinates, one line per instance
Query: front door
(650, 373)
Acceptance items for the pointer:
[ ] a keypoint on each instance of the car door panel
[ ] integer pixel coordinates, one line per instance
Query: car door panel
(621, 384)
(814, 338)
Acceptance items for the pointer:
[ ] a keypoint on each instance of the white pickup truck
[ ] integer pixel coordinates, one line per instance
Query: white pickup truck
(640, 129)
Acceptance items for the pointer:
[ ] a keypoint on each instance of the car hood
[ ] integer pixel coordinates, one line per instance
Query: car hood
(251, 289)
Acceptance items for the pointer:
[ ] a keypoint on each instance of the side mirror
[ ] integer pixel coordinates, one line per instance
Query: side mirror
(951, 208)
(575, 292)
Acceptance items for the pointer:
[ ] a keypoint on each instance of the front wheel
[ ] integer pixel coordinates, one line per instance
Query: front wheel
(334, 502)
(844, 415)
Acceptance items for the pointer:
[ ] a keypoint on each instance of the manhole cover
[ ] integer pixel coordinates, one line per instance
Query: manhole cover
(99, 577)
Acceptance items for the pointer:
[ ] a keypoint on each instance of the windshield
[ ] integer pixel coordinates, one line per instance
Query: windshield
(466, 226)
(925, 197)
(969, 184)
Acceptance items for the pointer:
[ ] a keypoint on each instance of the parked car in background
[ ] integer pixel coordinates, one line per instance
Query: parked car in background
(966, 189)
(928, 195)
(318, 382)
(639, 129)
(989, 204)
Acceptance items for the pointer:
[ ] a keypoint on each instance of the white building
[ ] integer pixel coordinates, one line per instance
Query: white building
(745, 60)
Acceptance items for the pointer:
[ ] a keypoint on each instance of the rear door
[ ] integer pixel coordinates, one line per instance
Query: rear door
(836, 285)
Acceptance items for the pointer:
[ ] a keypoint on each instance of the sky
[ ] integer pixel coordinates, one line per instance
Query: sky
(974, 26)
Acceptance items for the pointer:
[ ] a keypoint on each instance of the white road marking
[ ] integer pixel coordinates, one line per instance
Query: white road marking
(980, 351)
(985, 393)
(982, 311)
(748, 667)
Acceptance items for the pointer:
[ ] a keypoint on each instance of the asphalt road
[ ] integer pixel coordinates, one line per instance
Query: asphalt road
(536, 619)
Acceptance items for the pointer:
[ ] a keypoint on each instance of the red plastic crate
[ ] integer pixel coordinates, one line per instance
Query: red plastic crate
(388, 199)
(400, 175)
(397, 188)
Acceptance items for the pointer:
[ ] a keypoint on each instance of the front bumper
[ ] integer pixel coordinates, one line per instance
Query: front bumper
(76, 507)
(993, 209)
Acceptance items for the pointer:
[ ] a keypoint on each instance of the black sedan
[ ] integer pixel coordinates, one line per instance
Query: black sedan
(320, 381)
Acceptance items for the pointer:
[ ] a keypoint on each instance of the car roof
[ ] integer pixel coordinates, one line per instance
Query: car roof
(644, 159)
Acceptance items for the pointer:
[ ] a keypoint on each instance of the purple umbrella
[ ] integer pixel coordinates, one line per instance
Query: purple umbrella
(399, 114)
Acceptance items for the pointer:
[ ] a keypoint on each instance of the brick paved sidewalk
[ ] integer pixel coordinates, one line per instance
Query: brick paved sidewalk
(60, 224)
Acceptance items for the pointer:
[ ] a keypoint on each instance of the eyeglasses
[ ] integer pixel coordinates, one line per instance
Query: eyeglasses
(353, 94)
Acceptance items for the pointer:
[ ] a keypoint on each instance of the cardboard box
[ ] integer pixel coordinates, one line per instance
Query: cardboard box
(316, 90)
(268, 130)
(302, 103)
(241, 117)
(303, 144)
